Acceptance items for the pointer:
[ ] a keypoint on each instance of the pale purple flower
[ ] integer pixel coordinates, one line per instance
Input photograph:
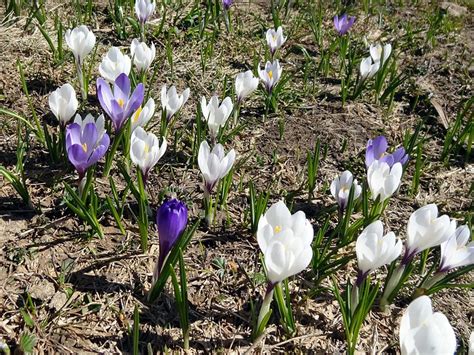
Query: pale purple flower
(85, 146)
(377, 150)
(227, 4)
(119, 104)
(343, 24)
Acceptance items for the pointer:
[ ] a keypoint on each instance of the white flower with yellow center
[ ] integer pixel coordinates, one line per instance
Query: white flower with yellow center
(146, 150)
(143, 114)
(341, 187)
(270, 75)
(285, 241)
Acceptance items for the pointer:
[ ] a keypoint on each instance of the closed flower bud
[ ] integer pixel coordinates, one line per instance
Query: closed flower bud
(113, 64)
(145, 150)
(171, 101)
(214, 164)
(384, 181)
(171, 221)
(63, 103)
(245, 84)
(80, 40)
(216, 116)
(142, 55)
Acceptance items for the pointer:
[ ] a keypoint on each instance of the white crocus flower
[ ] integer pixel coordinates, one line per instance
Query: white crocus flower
(215, 115)
(471, 343)
(142, 54)
(113, 64)
(285, 241)
(426, 230)
(341, 187)
(214, 164)
(368, 69)
(384, 181)
(99, 124)
(374, 250)
(245, 84)
(143, 114)
(424, 332)
(457, 251)
(144, 9)
(171, 101)
(270, 74)
(80, 40)
(146, 150)
(275, 39)
(379, 53)
(63, 103)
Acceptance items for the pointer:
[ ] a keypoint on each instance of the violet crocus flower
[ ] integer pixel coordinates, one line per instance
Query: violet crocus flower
(227, 4)
(171, 220)
(84, 146)
(343, 24)
(119, 104)
(377, 150)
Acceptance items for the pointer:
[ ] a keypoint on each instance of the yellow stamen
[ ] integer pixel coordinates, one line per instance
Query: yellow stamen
(147, 149)
(84, 147)
(277, 229)
(137, 114)
(270, 74)
(120, 102)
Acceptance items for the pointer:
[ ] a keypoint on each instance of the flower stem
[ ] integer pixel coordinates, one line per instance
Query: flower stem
(391, 285)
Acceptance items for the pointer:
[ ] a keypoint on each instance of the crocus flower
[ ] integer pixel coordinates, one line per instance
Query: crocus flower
(227, 4)
(215, 115)
(214, 164)
(142, 54)
(368, 69)
(245, 84)
(143, 114)
(426, 230)
(84, 146)
(456, 251)
(377, 150)
(343, 24)
(119, 105)
(384, 180)
(376, 52)
(63, 103)
(275, 39)
(270, 74)
(145, 150)
(374, 250)
(144, 9)
(113, 64)
(99, 123)
(171, 220)
(285, 241)
(341, 187)
(80, 40)
(171, 101)
(423, 331)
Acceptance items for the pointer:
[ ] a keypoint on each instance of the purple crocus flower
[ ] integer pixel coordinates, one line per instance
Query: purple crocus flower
(171, 220)
(377, 150)
(85, 146)
(119, 104)
(227, 4)
(343, 24)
